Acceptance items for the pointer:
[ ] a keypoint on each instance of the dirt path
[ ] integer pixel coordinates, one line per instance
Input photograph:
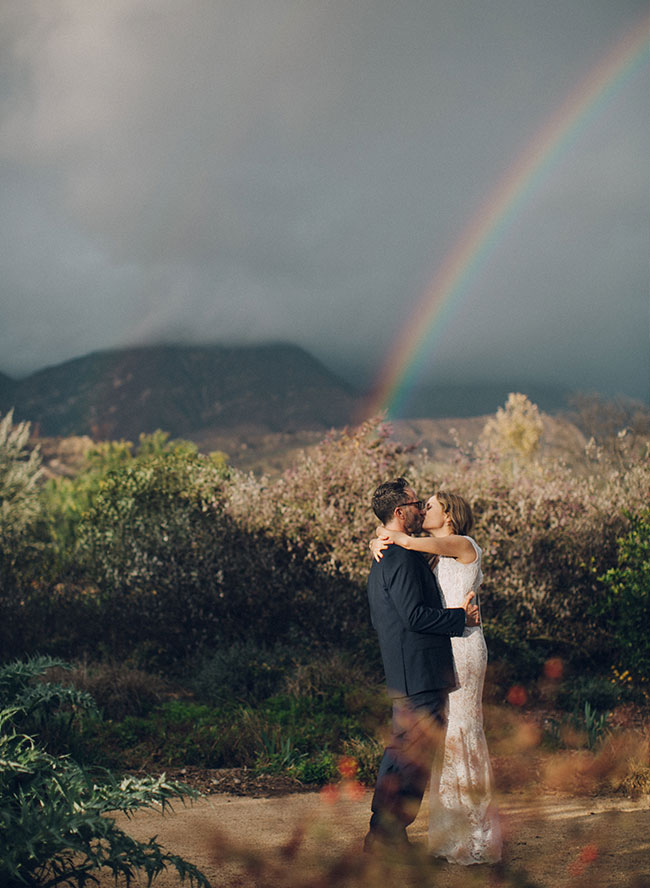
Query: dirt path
(552, 838)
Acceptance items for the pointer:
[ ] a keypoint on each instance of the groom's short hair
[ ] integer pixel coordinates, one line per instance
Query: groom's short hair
(388, 497)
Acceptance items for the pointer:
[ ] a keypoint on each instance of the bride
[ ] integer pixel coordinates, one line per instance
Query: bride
(464, 823)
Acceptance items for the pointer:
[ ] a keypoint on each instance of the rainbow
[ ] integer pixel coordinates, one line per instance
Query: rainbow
(423, 329)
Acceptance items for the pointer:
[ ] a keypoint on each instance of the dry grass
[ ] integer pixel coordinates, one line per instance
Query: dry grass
(118, 689)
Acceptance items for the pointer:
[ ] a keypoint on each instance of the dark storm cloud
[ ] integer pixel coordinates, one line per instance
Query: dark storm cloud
(252, 170)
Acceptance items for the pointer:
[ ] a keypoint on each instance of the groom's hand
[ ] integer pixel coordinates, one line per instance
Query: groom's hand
(471, 611)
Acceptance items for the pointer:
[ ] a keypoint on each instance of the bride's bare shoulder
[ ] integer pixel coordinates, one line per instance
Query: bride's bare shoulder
(468, 550)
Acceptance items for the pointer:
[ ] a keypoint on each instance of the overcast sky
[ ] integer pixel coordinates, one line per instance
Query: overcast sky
(255, 170)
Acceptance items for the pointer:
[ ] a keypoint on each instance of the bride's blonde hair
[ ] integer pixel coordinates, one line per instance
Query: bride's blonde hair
(458, 510)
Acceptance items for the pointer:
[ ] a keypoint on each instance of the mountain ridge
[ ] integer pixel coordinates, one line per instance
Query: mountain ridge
(121, 393)
(210, 391)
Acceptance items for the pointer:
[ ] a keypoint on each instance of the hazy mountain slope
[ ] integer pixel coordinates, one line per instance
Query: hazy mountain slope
(183, 389)
(7, 392)
(213, 392)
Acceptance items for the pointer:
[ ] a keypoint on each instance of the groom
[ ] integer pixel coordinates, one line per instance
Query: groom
(414, 630)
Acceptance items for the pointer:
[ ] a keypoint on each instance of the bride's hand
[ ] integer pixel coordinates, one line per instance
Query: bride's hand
(472, 616)
(377, 547)
(393, 536)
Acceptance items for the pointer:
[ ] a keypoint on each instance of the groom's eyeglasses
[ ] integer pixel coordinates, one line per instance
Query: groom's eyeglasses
(417, 503)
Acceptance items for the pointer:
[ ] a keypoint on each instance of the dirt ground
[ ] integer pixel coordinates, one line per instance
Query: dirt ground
(556, 840)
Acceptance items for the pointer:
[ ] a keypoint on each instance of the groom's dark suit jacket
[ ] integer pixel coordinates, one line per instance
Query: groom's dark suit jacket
(413, 626)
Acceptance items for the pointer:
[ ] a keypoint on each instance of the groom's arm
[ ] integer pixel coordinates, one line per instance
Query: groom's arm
(405, 588)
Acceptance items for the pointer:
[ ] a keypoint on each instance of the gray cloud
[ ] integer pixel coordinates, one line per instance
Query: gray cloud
(245, 170)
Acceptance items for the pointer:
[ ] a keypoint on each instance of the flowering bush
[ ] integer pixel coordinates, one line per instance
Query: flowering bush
(548, 533)
(169, 552)
(322, 504)
(516, 429)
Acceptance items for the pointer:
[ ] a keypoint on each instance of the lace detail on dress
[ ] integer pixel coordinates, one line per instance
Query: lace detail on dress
(464, 823)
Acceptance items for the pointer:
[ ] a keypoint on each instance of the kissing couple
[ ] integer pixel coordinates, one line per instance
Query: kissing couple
(422, 592)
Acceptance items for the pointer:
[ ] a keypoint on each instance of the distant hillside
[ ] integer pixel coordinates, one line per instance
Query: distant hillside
(261, 399)
(183, 390)
(438, 436)
(477, 398)
(7, 392)
(272, 453)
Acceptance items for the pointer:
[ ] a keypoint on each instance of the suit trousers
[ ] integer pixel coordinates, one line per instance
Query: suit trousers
(417, 736)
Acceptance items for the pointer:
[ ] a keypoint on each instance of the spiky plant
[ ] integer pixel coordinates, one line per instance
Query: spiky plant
(55, 823)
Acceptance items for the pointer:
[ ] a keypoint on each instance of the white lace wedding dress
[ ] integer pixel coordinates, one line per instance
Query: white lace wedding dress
(464, 822)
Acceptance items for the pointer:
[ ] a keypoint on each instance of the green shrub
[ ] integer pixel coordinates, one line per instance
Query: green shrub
(278, 753)
(51, 710)
(586, 727)
(324, 705)
(519, 660)
(171, 572)
(368, 753)
(148, 540)
(626, 602)
(117, 688)
(329, 671)
(243, 672)
(175, 733)
(20, 471)
(55, 824)
(320, 768)
(600, 692)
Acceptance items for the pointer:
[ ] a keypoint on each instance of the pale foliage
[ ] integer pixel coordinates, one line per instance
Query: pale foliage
(322, 504)
(547, 531)
(517, 428)
(20, 471)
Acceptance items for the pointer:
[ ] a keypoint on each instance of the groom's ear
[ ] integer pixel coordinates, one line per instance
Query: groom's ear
(398, 514)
